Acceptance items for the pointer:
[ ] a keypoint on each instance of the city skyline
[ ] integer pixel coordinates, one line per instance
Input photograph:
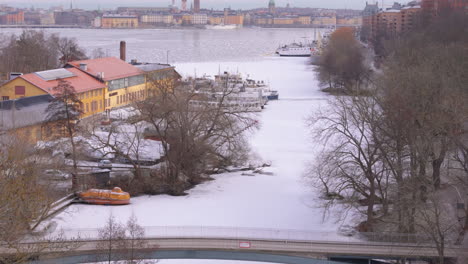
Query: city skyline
(205, 4)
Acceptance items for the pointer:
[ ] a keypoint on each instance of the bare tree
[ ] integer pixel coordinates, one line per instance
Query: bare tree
(342, 66)
(350, 168)
(196, 131)
(25, 202)
(112, 239)
(68, 49)
(63, 114)
(135, 241)
(37, 51)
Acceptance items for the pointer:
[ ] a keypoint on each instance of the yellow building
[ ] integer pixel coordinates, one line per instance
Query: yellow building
(26, 119)
(352, 21)
(100, 84)
(89, 90)
(264, 21)
(283, 21)
(234, 20)
(216, 20)
(303, 20)
(186, 19)
(324, 21)
(119, 21)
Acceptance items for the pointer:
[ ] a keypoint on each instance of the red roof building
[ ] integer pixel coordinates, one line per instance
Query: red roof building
(82, 82)
(106, 69)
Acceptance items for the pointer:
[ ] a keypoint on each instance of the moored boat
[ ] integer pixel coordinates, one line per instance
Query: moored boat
(105, 197)
(294, 50)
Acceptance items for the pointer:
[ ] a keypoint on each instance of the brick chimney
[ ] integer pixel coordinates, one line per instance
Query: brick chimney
(123, 50)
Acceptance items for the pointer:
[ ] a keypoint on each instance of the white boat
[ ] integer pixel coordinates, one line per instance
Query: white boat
(294, 50)
(222, 26)
(233, 90)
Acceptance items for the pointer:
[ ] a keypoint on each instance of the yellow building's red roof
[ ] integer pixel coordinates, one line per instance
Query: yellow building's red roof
(81, 81)
(113, 68)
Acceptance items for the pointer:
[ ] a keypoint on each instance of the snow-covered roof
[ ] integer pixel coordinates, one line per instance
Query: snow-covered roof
(411, 7)
(23, 112)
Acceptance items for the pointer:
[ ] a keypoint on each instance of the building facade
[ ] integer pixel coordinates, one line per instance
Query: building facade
(119, 21)
(196, 6)
(12, 18)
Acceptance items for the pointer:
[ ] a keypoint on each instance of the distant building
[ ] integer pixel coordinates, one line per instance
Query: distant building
(162, 19)
(271, 7)
(143, 10)
(12, 18)
(390, 22)
(119, 21)
(324, 21)
(434, 7)
(75, 17)
(199, 19)
(349, 21)
(216, 20)
(196, 6)
(234, 19)
(47, 19)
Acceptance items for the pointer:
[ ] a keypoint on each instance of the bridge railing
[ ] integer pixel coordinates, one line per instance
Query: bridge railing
(242, 233)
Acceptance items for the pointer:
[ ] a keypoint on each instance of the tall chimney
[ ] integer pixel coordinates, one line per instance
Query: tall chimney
(123, 50)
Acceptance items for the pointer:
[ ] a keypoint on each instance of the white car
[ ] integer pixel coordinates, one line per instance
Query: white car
(105, 164)
(57, 175)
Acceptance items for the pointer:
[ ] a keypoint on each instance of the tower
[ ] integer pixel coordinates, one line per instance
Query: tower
(196, 6)
(271, 6)
(184, 5)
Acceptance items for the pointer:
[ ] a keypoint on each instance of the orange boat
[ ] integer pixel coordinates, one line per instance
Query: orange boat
(105, 197)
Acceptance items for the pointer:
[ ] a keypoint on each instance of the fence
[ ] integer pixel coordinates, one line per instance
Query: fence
(241, 233)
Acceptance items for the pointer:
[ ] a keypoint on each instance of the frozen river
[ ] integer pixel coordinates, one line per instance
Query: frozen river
(282, 201)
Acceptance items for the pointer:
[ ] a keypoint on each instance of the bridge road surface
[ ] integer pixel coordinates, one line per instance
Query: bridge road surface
(306, 249)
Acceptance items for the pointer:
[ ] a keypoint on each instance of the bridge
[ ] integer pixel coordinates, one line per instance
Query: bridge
(280, 246)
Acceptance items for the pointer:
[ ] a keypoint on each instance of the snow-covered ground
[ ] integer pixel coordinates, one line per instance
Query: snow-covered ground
(284, 200)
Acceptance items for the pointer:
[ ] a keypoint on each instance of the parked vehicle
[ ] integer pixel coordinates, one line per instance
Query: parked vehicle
(105, 164)
(57, 175)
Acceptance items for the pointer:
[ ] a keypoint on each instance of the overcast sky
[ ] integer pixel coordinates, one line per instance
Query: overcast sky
(235, 4)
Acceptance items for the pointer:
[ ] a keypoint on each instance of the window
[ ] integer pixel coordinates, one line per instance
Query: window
(100, 104)
(20, 90)
(87, 107)
(5, 98)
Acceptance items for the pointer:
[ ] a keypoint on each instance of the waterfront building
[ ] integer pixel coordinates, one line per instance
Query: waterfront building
(74, 17)
(124, 83)
(186, 19)
(434, 7)
(158, 19)
(25, 119)
(196, 6)
(199, 19)
(143, 10)
(303, 20)
(234, 19)
(271, 7)
(324, 21)
(119, 21)
(283, 21)
(89, 90)
(390, 22)
(216, 20)
(12, 18)
(349, 21)
(47, 19)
